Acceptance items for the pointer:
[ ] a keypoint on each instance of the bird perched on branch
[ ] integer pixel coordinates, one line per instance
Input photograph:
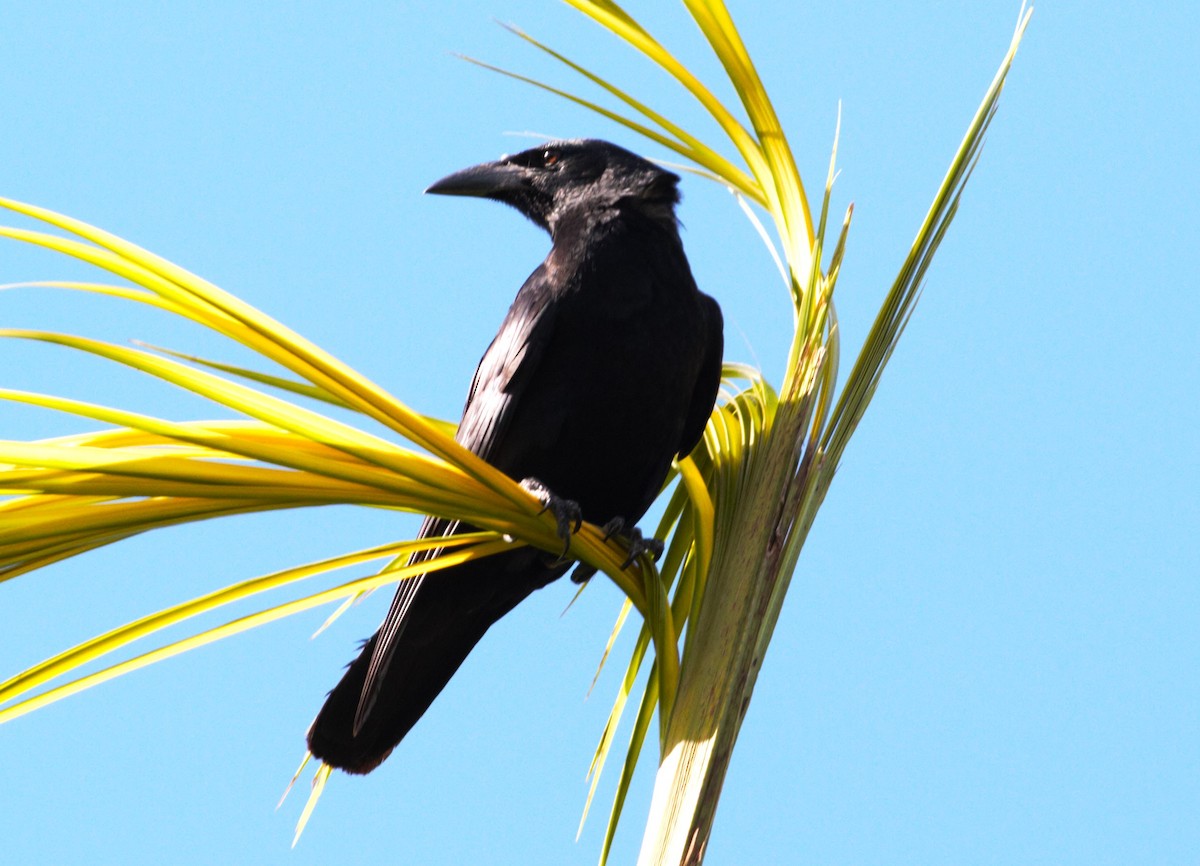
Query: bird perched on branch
(604, 369)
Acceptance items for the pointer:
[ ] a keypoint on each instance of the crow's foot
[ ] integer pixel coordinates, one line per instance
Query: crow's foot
(638, 543)
(566, 512)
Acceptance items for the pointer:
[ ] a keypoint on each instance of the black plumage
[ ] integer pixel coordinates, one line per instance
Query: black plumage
(605, 367)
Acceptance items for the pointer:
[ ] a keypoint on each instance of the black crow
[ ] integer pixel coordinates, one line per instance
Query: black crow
(605, 368)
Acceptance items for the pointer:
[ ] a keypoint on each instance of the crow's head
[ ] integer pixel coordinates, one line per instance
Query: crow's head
(559, 177)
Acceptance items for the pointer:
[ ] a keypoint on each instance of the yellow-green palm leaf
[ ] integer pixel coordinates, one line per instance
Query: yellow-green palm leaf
(738, 509)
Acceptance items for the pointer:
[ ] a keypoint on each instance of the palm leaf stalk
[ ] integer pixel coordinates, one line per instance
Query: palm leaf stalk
(769, 455)
(736, 518)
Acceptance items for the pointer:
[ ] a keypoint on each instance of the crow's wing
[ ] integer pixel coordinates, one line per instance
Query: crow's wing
(708, 382)
(500, 379)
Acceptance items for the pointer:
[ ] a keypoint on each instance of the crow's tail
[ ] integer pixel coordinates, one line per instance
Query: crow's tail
(450, 612)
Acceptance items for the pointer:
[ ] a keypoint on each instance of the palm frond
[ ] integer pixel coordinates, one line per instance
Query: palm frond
(740, 506)
(69, 495)
(768, 457)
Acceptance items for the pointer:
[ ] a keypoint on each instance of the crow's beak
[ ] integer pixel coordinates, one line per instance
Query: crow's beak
(485, 181)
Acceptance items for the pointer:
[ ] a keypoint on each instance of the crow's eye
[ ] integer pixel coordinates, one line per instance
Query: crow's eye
(547, 158)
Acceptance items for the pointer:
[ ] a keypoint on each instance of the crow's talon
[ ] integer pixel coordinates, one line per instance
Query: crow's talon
(616, 526)
(638, 543)
(566, 512)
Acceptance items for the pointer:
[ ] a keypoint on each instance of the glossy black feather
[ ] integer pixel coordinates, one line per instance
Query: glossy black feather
(605, 367)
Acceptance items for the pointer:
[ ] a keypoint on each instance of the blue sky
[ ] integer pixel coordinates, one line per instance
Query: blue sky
(989, 653)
